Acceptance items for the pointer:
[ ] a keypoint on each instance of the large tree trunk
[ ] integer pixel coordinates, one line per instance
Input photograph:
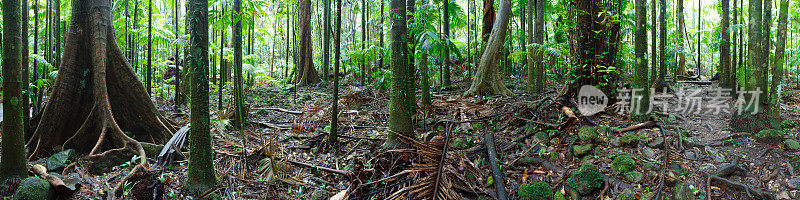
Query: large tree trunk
(487, 80)
(538, 38)
(12, 161)
(777, 68)
(304, 71)
(107, 107)
(592, 50)
(200, 175)
(402, 92)
(326, 38)
(488, 22)
(662, 45)
(238, 88)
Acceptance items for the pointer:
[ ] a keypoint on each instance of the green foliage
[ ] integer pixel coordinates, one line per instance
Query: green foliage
(535, 191)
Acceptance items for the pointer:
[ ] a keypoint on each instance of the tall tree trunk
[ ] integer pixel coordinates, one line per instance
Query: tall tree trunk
(662, 46)
(446, 83)
(223, 75)
(200, 176)
(538, 39)
(149, 73)
(402, 92)
(326, 43)
(487, 80)
(12, 162)
(488, 22)
(523, 12)
(681, 32)
(641, 82)
(36, 74)
(26, 97)
(777, 68)
(733, 67)
(177, 101)
(725, 47)
(305, 73)
(333, 135)
(238, 88)
(426, 91)
(653, 41)
(380, 39)
(102, 109)
(592, 52)
(766, 46)
(530, 49)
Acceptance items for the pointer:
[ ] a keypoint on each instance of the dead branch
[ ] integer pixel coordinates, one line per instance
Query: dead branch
(636, 127)
(281, 110)
(499, 183)
(541, 162)
(324, 169)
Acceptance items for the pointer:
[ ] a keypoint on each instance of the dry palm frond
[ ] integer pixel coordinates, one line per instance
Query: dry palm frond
(272, 167)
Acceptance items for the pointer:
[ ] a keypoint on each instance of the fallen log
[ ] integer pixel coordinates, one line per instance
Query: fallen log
(499, 182)
(54, 181)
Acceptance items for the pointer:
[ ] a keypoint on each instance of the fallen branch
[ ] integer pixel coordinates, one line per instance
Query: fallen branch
(325, 169)
(645, 125)
(281, 110)
(541, 162)
(496, 173)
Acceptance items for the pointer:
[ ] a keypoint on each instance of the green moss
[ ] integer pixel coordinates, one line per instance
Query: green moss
(633, 176)
(588, 134)
(792, 145)
(34, 188)
(623, 163)
(586, 179)
(770, 135)
(629, 139)
(580, 150)
(535, 191)
(542, 136)
(460, 143)
(559, 196)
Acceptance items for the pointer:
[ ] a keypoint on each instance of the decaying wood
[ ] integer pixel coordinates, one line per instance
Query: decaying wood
(497, 174)
(636, 127)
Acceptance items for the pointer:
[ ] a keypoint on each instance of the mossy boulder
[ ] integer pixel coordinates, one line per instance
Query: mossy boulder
(535, 191)
(770, 136)
(586, 179)
(629, 139)
(791, 145)
(623, 163)
(634, 176)
(559, 196)
(588, 134)
(581, 150)
(626, 194)
(34, 188)
(682, 191)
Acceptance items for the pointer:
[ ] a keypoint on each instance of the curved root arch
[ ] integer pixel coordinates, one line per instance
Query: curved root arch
(98, 104)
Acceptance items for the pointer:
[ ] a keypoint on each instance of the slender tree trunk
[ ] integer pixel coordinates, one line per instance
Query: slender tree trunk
(778, 67)
(642, 106)
(223, 75)
(531, 49)
(200, 176)
(177, 57)
(681, 32)
(238, 89)
(426, 91)
(725, 47)
(699, 32)
(523, 22)
(333, 135)
(766, 46)
(149, 73)
(487, 81)
(402, 92)
(446, 83)
(662, 64)
(734, 66)
(653, 41)
(538, 39)
(26, 97)
(326, 47)
(12, 163)
(380, 39)
(36, 74)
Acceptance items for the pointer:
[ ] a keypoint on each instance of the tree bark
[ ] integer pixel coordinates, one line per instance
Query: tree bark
(108, 107)
(778, 66)
(446, 83)
(238, 87)
(488, 22)
(326, 43)
(640, 112)
(200, 176)
(662, 46)
(305, 73)
(593, 54)
(653, 41)
(333, 135)
(681, 32)
(402, 92)
(487, 80)
(12, 161)
(538, 39)
(725, 47)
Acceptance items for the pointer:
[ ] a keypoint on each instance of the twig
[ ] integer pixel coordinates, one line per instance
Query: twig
(281, 110)
(325, 169)
(645, 125)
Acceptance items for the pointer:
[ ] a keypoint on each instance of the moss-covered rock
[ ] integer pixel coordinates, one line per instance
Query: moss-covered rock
(791, 145)
(586, 179)
(559, 196)
(623, 163)
(588, 134)
(629, 139)
(770, 136)
(682, 191)
(634, 176)
(535, 191)
(34, 188)
(580, 150)
(626, 194)
(460, 143)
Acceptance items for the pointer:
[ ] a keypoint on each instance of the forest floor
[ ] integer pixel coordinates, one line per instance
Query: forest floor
(286, 127)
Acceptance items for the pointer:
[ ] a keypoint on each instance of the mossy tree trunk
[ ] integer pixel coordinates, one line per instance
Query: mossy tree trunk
(106, 107)
(333, 135)
(778, 64)
(12, 159)
(201, 175)
(402, 102)
(593, 53)
(487, 80)
(326, 38)
(662, 45)
(238, 87)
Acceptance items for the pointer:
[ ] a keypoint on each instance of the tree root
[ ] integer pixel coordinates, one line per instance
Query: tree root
(751, 193)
